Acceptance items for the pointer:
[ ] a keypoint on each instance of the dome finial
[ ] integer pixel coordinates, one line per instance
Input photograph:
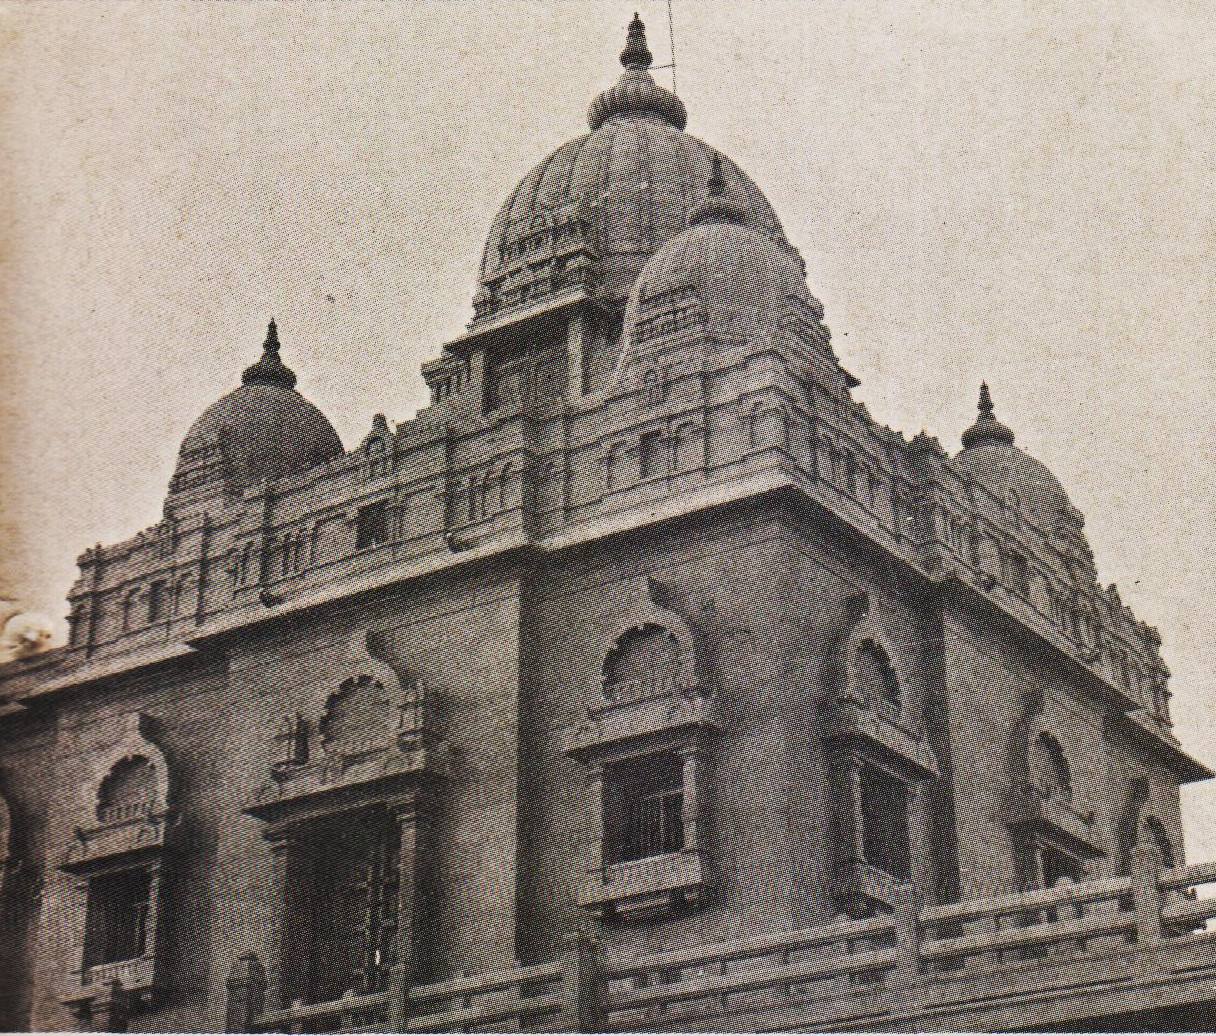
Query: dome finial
(636, 95)
(636, 54)
(987, 429)
(716, 187)
(270, 370)
(718, 206)
(986, 408)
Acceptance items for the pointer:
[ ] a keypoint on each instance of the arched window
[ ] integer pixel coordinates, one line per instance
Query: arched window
(1050, 774)
(875, 677)
(128, 790)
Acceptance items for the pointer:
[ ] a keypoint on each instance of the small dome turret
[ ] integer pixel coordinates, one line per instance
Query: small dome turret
(721, 272)
(262, 431)
(990, 456)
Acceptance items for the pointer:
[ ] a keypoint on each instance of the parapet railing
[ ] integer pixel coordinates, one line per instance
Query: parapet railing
(901, 953)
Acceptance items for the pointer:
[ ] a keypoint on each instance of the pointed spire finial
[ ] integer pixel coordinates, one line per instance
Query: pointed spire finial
(636, 54)
(987, 429)
(718, 206)
(716, 188)
(270, 370)
(986, 409)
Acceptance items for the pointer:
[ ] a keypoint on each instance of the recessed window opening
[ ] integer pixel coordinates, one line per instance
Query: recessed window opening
(884, 807)
(644, 807)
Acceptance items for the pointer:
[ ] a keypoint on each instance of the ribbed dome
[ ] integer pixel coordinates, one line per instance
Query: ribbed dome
(721, 271)
(991, 457)
(262, 431)
(621, 191)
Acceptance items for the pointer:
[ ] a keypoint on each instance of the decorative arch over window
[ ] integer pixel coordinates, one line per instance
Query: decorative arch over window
(346, 808)
(867, 673)
(874, 674)
(128, 790)
(1047, 765)
(1135, 828)
(1052, 837)
(650, 639)
(881, 767)
(132, 776)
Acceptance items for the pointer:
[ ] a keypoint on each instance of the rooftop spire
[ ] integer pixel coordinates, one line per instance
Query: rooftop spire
(716, 187)
(986, 408)
(636, 95)
(270, 370)
(718, 206)
(987, 429)
(636, 54)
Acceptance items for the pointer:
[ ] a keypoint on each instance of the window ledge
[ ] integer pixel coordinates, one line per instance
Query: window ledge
(686, 710)
(652, 885)
(862, 881)
(1027, 808)
(136, 837)
(135, 976)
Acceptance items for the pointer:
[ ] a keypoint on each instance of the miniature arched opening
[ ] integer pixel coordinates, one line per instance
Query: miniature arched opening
(1154, 834)
(874, 674)
(359, 713)
(128, 790)
(647, 656)
(1128, 832)
(1050, 773)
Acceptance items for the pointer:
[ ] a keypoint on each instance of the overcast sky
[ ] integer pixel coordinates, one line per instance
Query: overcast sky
(1017, 191)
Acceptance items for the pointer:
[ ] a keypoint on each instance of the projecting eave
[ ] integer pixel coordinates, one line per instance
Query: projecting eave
(1139, 727)
(482, 331)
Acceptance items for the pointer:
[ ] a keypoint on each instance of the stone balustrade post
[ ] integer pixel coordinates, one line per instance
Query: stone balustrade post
(246, 994)
(906, 910)
(585, 1007)
(1146, 892)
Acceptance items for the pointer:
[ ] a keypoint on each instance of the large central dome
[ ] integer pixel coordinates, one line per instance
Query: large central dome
(625, 189)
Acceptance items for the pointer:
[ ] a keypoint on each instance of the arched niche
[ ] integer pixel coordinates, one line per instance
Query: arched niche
(868, 666)
(649, 631)
(1047, 768)
(1138, 826)
(135, 755)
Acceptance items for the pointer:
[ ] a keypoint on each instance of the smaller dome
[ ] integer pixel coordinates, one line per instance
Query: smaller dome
(990, 456)
(262, 431)
(721, 272)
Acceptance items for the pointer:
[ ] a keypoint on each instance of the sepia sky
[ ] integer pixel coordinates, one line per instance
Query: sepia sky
(1017, 191)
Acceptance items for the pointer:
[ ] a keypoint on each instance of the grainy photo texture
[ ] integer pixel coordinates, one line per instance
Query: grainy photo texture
(583, 520)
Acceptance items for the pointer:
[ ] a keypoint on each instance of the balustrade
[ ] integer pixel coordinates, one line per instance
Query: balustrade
(812, 971)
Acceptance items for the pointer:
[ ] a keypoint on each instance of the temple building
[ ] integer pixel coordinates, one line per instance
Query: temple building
(640, 681)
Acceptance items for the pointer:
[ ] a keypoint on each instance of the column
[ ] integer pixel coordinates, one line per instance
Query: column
(407, 820)
(287, 954)
(691, 757)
